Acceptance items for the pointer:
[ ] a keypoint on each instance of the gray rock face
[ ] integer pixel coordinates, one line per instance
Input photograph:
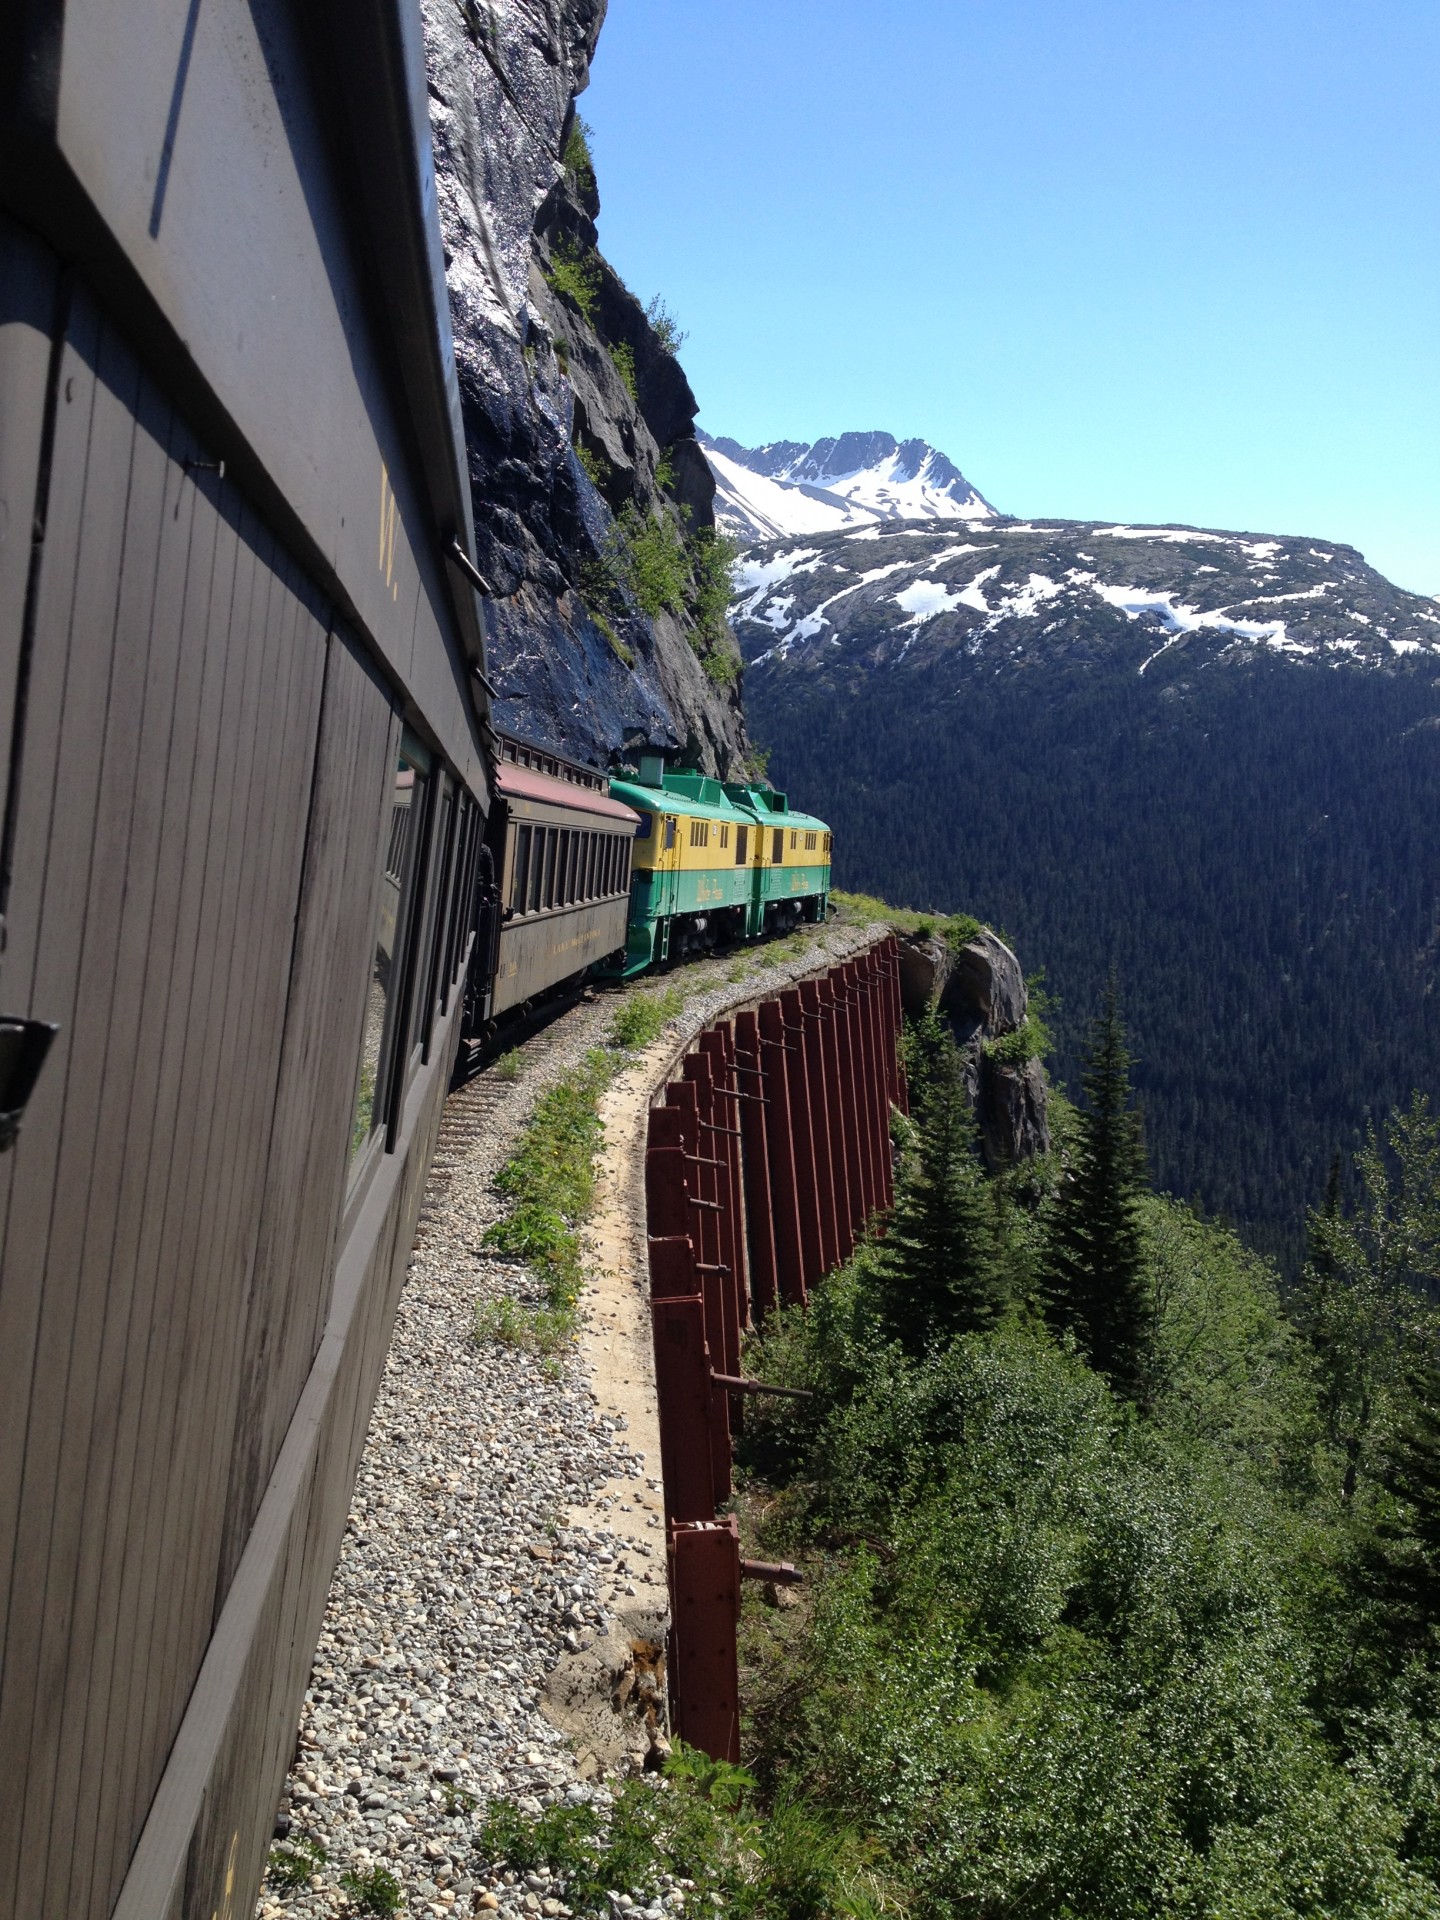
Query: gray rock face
(985, 988)
(539, 376)
(1012, 1111)
(979, 989)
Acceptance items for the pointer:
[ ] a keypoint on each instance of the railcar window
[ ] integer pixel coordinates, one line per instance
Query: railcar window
(392, 916)
(552, 839)
(646, 826)
(811, 840)
(439, 852)
(742, 841)
(520, 884)
(537, 869)
(623, 882)
(777, 852)
(592, 859)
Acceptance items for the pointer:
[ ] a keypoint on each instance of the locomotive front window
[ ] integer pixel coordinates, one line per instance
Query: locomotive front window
(646, 826)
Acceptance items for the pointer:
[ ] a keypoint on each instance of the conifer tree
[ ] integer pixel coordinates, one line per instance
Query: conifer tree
(1401, 1569)
(942, 1269)
(1097, 1281)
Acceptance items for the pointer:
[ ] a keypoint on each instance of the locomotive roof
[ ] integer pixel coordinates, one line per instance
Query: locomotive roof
(699, 797)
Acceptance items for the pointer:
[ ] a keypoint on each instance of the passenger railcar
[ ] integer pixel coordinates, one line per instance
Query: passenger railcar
(244, 784)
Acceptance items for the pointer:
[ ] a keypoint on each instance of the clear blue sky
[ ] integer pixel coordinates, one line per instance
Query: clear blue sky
(1139, 259)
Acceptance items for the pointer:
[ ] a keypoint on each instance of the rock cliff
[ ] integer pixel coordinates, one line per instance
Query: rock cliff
(979, 990)
(592, 499)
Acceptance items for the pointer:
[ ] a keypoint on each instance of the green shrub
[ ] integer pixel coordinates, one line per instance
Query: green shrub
(623, 355)
(668, 334)
(551, 1179)
(373, 1890)
(575, 276)
(646, 556)
(644, 1016)
(577, 161)
(293, 1862)
(596, 466)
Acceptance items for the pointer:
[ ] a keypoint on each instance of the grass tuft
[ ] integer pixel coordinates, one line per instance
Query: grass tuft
(373, 1890)
(643, 1017)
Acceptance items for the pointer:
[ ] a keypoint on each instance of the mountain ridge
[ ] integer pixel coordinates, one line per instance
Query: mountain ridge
(847, 480)
(1209, 757)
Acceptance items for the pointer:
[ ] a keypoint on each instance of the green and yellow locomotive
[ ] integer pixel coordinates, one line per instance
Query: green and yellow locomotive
(714, 862)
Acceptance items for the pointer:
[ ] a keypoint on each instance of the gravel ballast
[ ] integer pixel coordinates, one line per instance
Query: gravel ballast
(501, 1585)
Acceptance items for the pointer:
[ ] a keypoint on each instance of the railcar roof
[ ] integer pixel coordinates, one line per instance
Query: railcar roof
(525, 783)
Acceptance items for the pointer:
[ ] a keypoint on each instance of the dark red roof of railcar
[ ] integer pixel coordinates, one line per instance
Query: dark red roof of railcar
(523, 783)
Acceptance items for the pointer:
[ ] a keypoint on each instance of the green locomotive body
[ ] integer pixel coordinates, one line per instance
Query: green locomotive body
(715, 862)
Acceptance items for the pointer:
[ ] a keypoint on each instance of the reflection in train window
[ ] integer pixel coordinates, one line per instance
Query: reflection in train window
(521, 880)
(427, 949)
(407, 795)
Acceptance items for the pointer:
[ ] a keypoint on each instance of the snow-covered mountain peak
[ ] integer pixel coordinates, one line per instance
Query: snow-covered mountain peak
(855, 480)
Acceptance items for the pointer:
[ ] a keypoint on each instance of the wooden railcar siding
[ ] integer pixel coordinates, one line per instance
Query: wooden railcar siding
(189, 1343)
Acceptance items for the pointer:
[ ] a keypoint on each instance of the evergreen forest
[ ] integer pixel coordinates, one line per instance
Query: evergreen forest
(1255, 848)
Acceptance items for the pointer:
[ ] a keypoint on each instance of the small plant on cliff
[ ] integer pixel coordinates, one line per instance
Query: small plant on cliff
(623, 355)
(647, 555)
(664, 326)
(577, 160)
(596, 467)
(712, 556)
(574, 275)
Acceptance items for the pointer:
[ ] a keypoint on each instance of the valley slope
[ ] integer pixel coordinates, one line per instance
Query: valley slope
(1210, 759)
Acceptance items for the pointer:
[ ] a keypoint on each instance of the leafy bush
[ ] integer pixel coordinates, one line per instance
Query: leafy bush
(293, 1862)
(575, 276)
(595, 466)
(551, 1179)
(577, 161)
(623, 355)
(647, 556)
(1064, 1654)
(373, 1890)
(701, 1823)
(643, 1016)
(668, 334)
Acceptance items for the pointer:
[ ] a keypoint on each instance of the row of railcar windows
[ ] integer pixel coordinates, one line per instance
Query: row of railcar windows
(566, 866)
(424, 918)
